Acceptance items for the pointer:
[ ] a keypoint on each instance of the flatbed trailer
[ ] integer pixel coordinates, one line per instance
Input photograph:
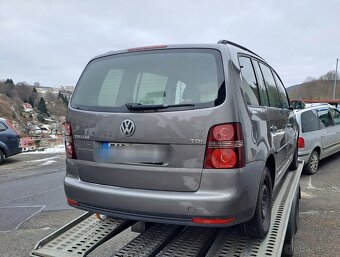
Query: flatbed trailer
(81, 236)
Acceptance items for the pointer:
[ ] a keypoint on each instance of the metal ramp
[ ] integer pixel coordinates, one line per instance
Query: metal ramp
(83, 235)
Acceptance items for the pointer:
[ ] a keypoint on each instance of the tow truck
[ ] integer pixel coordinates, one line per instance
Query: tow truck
(87, 232)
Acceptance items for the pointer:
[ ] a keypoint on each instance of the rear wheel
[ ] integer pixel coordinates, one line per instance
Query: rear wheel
(258, 226)
(2, 156)
(312, 164)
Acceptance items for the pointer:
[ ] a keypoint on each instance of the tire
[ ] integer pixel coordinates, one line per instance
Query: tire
(259, 224)
(288, 247)
(312, 165)
(294, 165)
(293, 224)
(2, 156)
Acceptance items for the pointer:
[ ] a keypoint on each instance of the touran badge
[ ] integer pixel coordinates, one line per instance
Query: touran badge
(127, 128)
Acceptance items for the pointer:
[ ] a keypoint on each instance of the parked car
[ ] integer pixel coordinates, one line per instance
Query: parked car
(185, 134)
(319, 135)
(9, 140)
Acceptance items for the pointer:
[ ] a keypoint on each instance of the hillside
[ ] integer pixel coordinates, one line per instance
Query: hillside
(34, 111)
(318, 89)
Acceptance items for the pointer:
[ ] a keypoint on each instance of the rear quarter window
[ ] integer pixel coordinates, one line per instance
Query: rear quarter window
(309, 122)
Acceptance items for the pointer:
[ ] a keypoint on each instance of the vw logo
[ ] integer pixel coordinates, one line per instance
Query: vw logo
(127, 128)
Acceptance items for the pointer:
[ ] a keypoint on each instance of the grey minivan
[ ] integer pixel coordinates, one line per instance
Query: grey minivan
(183, 134)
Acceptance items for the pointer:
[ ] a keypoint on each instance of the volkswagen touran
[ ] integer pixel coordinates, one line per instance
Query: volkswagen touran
(183, 134)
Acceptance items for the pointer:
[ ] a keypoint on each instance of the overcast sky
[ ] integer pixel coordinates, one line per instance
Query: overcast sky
(52, 41)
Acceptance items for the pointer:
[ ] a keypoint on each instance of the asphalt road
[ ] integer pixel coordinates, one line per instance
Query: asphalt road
(32, 205)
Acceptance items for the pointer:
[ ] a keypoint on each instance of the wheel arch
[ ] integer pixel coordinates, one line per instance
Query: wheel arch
(3, 149)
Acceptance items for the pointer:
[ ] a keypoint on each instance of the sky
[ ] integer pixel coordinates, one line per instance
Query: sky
(50, 42)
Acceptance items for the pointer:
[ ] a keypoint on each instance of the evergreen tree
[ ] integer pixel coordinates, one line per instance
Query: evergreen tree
(9, 81)
(42, 106)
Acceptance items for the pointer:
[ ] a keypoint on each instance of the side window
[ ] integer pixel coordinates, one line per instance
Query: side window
(273, 95)
(309, 122)
(109, 90)
(336, 116)
(151, 88)
(249, 85)
(282, 92)
(325, 118)
(3, 127)
(262, 85)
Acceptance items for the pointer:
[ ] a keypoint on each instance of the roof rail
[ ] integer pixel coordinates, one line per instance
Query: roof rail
(226, 42)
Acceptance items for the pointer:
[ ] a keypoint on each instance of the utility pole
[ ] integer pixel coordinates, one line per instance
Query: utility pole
(336, 74)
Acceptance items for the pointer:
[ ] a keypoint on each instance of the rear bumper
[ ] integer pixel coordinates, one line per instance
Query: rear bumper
(223, 194)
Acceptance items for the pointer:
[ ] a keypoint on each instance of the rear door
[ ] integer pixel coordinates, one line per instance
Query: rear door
(336, 120)
(278, 118)
(328, 132)
(141, 119)
(290, 127)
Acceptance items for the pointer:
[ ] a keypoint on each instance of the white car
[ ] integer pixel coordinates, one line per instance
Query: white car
(319, 135)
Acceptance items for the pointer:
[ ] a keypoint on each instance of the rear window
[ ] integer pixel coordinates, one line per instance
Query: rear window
(160, 77)
(309, 122)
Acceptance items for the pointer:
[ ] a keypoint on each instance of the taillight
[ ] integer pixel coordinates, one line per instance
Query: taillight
(301, 142)
(72, 202)
(10, 124)
(225, 147)
(69, 144)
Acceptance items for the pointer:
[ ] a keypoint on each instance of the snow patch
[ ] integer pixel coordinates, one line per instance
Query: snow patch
(56, 149)
(48, 163)
(44, 160)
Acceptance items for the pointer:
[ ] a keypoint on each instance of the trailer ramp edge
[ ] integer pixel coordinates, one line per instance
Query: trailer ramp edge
(79, 237)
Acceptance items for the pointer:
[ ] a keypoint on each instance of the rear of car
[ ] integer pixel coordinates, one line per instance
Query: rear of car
(9, 140)
(164, 134)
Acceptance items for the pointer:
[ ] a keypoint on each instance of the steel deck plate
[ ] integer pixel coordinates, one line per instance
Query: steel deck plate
(191, 242)
(150, 242)
(79, 239)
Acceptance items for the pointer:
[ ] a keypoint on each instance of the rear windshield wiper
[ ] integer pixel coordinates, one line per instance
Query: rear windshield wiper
(139, 106)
